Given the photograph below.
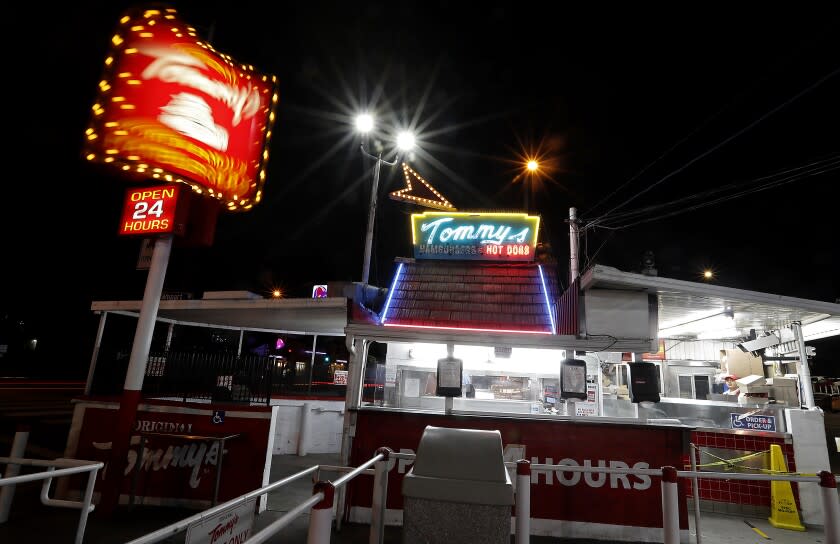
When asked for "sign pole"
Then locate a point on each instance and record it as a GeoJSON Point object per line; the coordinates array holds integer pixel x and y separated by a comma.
{"type": "Point", "coordinates": [371, 219]}
{"type": "Point", "coordinates": [135, 374]}
{"type": "Point", "coordinates": [574, 271]}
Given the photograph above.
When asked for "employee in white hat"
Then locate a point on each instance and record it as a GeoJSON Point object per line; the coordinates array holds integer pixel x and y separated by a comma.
{"type": "Point", "coordinates": [731, 385]}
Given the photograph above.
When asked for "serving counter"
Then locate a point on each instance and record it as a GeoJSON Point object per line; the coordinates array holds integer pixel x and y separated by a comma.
{"type": "Point", "coordinates": [562, 503]}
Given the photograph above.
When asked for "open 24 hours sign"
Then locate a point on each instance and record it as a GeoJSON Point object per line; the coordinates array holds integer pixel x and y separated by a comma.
{"type": "Point", "coordinates": [151, 210]}
{"type": "Point", "coordinates": [753, 422]}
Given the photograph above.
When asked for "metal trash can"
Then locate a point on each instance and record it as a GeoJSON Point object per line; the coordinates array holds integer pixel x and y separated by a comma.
{"type": "Point", "coordinates": [458, 489]}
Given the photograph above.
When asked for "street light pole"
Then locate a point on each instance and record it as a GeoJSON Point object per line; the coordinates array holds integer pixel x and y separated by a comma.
{"type": "Point", "coordinates": [372, 211]}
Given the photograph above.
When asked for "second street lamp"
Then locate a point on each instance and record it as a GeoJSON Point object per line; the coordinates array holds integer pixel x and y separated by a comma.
{"type": "Point", "coordinates": [405, 141]}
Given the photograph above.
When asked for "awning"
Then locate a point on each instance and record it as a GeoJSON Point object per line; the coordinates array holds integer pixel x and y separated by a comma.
{"type": "Point", "coordinates": [701, 310]}
{"type": "Point", "coordinates": [327, 316]}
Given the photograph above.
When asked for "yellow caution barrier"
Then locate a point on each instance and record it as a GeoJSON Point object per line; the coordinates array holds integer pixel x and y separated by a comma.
{"type": "Point", "coordinates": [783, 512]}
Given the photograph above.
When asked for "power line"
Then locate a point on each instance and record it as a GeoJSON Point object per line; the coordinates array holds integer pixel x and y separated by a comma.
{"type": "Point", "coordinates": [702, 125]}
{"type": "Point", "coordinates": [717, 146]}
{"type": "Point", "coordinates": [791, 174]}
{"type": "Point", "coordinates": [764, 187]}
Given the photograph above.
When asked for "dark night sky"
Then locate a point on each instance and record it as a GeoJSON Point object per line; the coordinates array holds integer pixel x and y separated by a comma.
{"type": "Point", "coordinates": [688, 96]}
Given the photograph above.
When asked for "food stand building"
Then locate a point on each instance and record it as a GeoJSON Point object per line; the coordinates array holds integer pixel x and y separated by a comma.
{"type": "Point", "coordinates": [514, 335]}
{"type": "Point", "coordinates": [512, 328]}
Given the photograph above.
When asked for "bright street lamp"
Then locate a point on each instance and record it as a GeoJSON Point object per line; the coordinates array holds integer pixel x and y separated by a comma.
{"type": "Point", "coordinates": [405, 141]}
{"type": "Point", "coordinates": [364, 123]}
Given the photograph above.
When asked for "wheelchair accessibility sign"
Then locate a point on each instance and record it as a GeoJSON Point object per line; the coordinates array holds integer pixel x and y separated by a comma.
{"type": "Point", "coordinates": [218, 417]}
{"type": "Point", "coordinates": [753, 422]}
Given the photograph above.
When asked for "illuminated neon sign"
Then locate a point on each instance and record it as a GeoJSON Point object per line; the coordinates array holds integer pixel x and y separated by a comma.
{"type": "Point", "coordinates": [474, 236]}
{"type": "Point", "coordinates": [150, 210]}
{"type": "Point", "coordinates": [171, 107]}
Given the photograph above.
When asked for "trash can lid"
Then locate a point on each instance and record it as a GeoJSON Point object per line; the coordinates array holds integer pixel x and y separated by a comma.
{"type": "Point", "coordinates": [460, 454]}
{"type": "Point", "coordinates": [460, 465]}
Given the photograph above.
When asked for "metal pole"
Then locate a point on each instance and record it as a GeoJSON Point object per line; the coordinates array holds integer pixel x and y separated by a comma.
{"type": "Point", "coordinates": [312, 364]}
{"type": "Point", "coordinates": [320, 518]}
{"type": "Point", "coordinates": [135, 373]}
{"type": "Point", "coordinates": [523, 501]}
{"type": "Point", "coordinates": [804, 371]}
{"type": "Point", "coordinates": [220, 456]}
{"type": "Point", "coordinates": [137, 468]}
{"type": "Point", "coordinates": [303, 434]}
{"type": "Point", "coordinates": [573, 246]}
{"type": "Point", "coordinates": [371, 220]}
{"type": "Point", "coordinates": [239, 348]}
{"type": "Point", "coordinates": [96, 345]}
{"type": "Point", "coordinates": [7, 493]}
{"type": "Point", "coordinates": [148, 314]}
{"type": "Point", "coordinates": [831, 506]}
{"type": "Point", "coordinates": [357, 350]}
{"type": "Point", "coordinates": [670, 506]}
{"type": "Point", "coordinates": [695, 491]}
{"type": "Point", "coordinates": [379, 499]}
{"type": "Point", "coordinates": [86, 506]}
{"type": "Point", "coordinates": [169, 332]}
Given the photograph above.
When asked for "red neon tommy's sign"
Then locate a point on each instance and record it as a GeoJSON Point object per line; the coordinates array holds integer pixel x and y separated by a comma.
{"type": "Point", "coordinates": [171, 107]}
{"type": "Point", "coordinates": [149, 210]}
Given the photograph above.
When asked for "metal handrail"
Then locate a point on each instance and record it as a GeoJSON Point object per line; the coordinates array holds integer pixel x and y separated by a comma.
{"type": "Point", "coordinates": [178, 526]}
{"type": "Point", "coordinates": [72, 466]}
{"type": "Point", "coordinates": [358, 470]}
{"type": "Point", "coordinates": [322, 498]}
{"type": "Point", "coordinates": [286, 519]}
{"type": "Point", "coordinates": [669, 477]}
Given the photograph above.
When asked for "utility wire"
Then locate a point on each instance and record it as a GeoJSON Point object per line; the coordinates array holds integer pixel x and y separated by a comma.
{"type": "Point", "coordinates": [771, 185]}
{"type": "Point", "coordinates": [790, 174]}
{"type": "Point", "coordinates": [699, 127]}
{"type": "Point", "coordinates": [717, 146]}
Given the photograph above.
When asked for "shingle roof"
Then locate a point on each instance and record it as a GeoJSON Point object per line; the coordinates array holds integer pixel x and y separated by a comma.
{"type": "Point", "coordinates": [472, 295]}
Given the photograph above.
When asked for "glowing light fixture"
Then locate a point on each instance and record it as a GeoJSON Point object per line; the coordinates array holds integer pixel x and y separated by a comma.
{"type": "Point", "coordinates": [519, 331]}
{"type": "Point", "coordinates": [391, 293]}
{"type": "Point", "coordinates": [405, 140]}
{"type": "Point", "coordinates": [547, 303]}
{"type": "Point", "coordinates": [364, 122]}
{"type": "Point", "coordinates": [533, 165]}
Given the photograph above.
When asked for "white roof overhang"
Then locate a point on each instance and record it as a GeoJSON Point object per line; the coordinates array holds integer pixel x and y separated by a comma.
{"type": "Point", "coordinates": [696, 310]}
{"type": "Point", "coordinates": [327, 316]}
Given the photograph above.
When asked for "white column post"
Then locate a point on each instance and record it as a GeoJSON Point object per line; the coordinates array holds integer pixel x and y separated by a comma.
{"type": "Point", "coordinates": [135, 373]}
{"type": "Point", "coordinates": [831, 506]}
{"type": "Point", "coordinates": [379, 498]}
{"type": "Point", "coordinates": [95, 355]}
{"type": "Point", "coordinates": [148, 314]}
{"type": "Point", "coordinates": [804, 371]}
{"type": "Point", "coordinates": [320, 518]}
{"type": "Point", "coordinates": [7, 493]}
{"type": "Point", "coordinates": [670, 506]}
{"type": "Point", "coordinates": [303, 434]}
{"type": "Point", "coordinates": [523, 501]}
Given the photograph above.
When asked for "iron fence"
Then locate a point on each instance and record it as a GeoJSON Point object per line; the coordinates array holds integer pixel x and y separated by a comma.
{"type": "Point", "coordinates": [220, 377]}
